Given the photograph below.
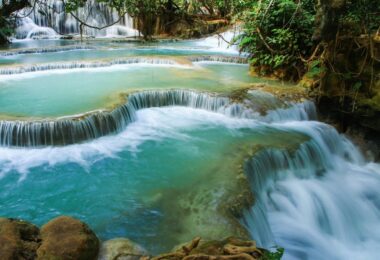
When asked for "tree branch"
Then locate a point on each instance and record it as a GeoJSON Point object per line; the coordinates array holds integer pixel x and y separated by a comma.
{"type": "Point", "coordinates": [263, 40]}
{"type": "Point", "coordinates": [93, 26]}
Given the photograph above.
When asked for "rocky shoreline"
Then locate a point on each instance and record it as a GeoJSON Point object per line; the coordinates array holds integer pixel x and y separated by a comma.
{"type": "Point", "coordinates": [68, 238]}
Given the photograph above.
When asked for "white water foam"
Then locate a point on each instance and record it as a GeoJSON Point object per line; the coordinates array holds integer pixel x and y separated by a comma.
{"type": "Point", "coordinates": [27, 29]}
{"type": "Point", "coordinates": [321, 201]}
{"type": "Point", "coordinates": [53, 14]}
{"type": "Point", "coordinates": [28, 51]}
{"type": "Point", "coordinates": [152, 124]}
{"type": "Point", "coordinates": [222, 41]}
{"type": "Point", "coordinates": [111, 68]}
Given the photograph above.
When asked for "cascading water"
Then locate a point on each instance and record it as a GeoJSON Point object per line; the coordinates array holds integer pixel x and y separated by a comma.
{"type": "Point", "coordinates": [86, 127]}
{"type": "Point", "coordinates": [83, 65]}
{"type": "Point", "coordinates": [50, 19]}
{"type": "Point", "coordinates": [45, 50]}
{"type": "Point", "coordinates": [71, 130]}
{"type": "Point", "coordinates": [223, 41]}
{"type": "Point", "coordinates": [120, 61]}
{"type": "Point", "coordinates": [27, 29]}
{"type": "Point", "coordinates": [320, 200]}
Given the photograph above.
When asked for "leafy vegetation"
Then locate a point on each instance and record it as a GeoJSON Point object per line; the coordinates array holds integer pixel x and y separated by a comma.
{"type": "Point", "coordinates": [276, 255]}
{"type": "Point", "coordinates": [7, 8]}
{"type": "Point", "coordinates": [293, 38]}
{"type": "Point", "coordinates": [277, 34]}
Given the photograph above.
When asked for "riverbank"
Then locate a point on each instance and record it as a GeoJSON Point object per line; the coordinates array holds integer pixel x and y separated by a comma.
{"type": "Point", "coordinates": [68, 238]}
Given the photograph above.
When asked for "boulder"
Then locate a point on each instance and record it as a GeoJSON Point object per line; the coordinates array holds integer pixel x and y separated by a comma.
{"type": "Point", "coordinates": [18, 239]}
{"type": "Point", "coordinates": [121, 249]}
{"type": "Point", "coordinates": [67, 238]}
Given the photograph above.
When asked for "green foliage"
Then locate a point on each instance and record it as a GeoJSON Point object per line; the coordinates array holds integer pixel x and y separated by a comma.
{"type": "Point", "coordinates": [277, 255]}
{"type": "Point", "coordinates": [7, 18]}
{"type": "Point", "coordinates": [73, 5]}
{"type": "Point", "coordinates": [316, 69]}
{"type": "Point", "coordinates": [357, 86]}
{"type": "Point", "coordinates": [277, 33]}
{"type": "Point", "coordinates": [222, 8]}
{"type": "Point", "coordinates": [365, 13]}
{"type": "Point", "coordinates": [5, 30]}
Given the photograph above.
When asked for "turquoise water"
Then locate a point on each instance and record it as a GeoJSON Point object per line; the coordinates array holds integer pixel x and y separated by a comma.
{"type": "Point", "coordinates": [68, 92]}
{"type": "Point", "coordinates": [139, 184]}
{"type": "Point", "coordinates": [176, 173]}
{"type": "Point", "coordinates": [38, 44]}
{"type": "Point", "coordinates": [55, 93]}
{"type": "Point", "coordinates": [23, 44]}
{"type": "Point", "coordinates": [123, 185]}
{"type": "Point", "coordinates": [106, 50]}
{"type": "Point", "coordinates": [101, 54]}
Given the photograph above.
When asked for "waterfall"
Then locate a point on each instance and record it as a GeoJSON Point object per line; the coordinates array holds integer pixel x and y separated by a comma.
{"type": "Point", "coordinates": [84, 65]}
{"type": "Point", "coordinates": [319, 201]}
{"type": "Point", "coordinates": [45, 50]}
{"type": "Point", "coordinates": [27, 29]}
{"type": "Point", "coordinates": [45, 20]}
{"type": "Point", "coordinates": [101, 64]}
{"type": "Point", "coordinates": [221, 42]}
{"type": "Point", "coordinates": [219, 59]}
{"type": "Point", "coordinates": [66, 131]}
{"type": "Point", "coordinates": [71, 130]}
{"type": "Point", "coordinates": [298, 112]}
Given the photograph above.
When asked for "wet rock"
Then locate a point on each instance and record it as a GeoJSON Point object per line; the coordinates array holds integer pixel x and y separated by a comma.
{"type": "Point", "coordinates": [67, 238]}
{"type": "Point", "coordinates": [121, 249]}
{"type": "Point", "coordinates": [18, 239]}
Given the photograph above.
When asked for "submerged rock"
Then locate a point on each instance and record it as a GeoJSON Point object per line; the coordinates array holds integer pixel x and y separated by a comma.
{"type": "Point", "coordinates": [67, 238]}
{"type": "Point", "coordinates": [18, 239]}
{"type": "Point", "coordinates": [121, 249]}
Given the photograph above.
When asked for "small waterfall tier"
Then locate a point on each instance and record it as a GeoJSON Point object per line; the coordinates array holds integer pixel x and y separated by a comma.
{"type": "Point", "coordinates": [50, 19]}
{"type": "Point", "coordinates": [222, 41]}
{"type": "Point", "coordinates": [221, 59]}
{"type": "Point", "coordinates": [73, 130]}
{"type": "Point", "coordinates": [319, 200]}
{"type": "Point", "coordinates": [85, 65]}
{"type": "Point", "coordinates": [76, 129]}
{"type": "Point", "coordinates": [122, 61]}
{"type": "Point", "coordinates": [45, 50]}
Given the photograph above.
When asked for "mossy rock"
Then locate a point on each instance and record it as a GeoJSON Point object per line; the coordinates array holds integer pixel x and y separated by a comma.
{"type": "Point", "coordinates": [66, 238]}
{"type": "Point", "coordinates": [18, 239]}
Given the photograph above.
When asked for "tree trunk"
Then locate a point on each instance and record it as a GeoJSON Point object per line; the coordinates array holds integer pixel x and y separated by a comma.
{"type": "Point", "coordinates": [327, 19]}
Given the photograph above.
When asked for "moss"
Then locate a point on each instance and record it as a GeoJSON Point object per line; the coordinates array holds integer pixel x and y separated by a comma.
{"type": "Point", "coordinates": [371, 103]}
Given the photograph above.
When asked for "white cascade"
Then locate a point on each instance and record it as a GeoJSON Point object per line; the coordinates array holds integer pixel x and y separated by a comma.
{"type": "Point", "coordinates": [52, 15]}
{"type": "Point", "coordinates": [318, 201]}
{"type": "Point", "coordinates": [221, 42]}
